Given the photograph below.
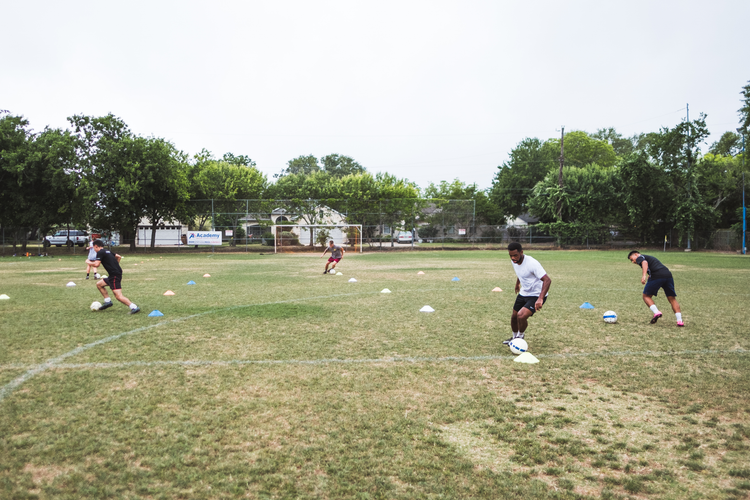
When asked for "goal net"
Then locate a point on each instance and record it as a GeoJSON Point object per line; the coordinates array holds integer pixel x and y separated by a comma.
{"type": "Point", "coordinates": [309, 237]}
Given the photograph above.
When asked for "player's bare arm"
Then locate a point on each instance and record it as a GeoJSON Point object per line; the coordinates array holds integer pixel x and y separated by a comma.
{"type": "Point", "coordinates": [324, 252]}
{"type": "Point", "coordinates": [546, 282]}
{"type": "Point", "coordinates": [118, 257]}
{"type": "Point", "coordinates": [518, 285]}
{"type": "Point", "coordinates": [644, 265]}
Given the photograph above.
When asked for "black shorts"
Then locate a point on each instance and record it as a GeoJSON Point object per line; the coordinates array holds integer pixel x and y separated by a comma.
{"type": "Point", "coordinates": [527, 302]}
{"type": "Point", "coordinates": [114, 281]}
{"type": "Point", "coordinates": [653, 285]}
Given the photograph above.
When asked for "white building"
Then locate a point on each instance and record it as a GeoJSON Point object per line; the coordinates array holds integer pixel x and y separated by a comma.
{"type": "Point", "coordinates": [168, 233]}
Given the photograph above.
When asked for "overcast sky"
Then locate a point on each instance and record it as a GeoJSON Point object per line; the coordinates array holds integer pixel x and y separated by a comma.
{"type": "Point", "coordinates": [427, 90]}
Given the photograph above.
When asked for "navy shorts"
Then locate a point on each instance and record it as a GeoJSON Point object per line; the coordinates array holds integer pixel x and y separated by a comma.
{"type": "Point", "coordinates": [527, 302]}
{"type": "Point", "coordinates": [114, 282]}
{"type": "Point", "coordinates": [652, 287]}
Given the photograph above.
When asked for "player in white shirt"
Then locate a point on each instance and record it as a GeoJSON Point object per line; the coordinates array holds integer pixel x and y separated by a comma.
{"type": "Point", "coordinates": [532, 285]}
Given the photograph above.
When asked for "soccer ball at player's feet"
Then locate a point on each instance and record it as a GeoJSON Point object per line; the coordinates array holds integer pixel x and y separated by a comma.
{"type": "Point", "coordinates": [332, 271]}
{"type": "Point", "coordinates": [518, 346]}
{"type": "Point", "coordinates": [610, 317]}
{"type": "Point", "coordinates": [95, 306]}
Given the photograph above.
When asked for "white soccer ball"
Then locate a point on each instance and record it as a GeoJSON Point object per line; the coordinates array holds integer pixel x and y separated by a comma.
{"type": "Point", "coordinates": [95, 306]}
{"type": "Point", "coordinates": [610, 317]}
{"type": "Point", "coordinates": [518, 346]}
{"type": "Point", "coordinates": [332, 271]}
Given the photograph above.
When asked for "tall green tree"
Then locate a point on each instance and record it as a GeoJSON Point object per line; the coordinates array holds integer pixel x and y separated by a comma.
{"type": "Point", "coordinates": [730, 144]}
{"type": "Point", "coordinates": [399, 201]}
{"type": "Point", "coordinates": [302, 165]}
{"type": "Point", "coordinates": [305, 197]}
{"type": "Point", "coordinates": [357, 196]}
{"type": "Point", "coordinates": [582, 149]}
{"type": "Point", "coordinates": [511, 187]}
{"type": "Point", "coordinates": [161, 178]}
{"type": "Point", "coordinates": [591, 195]}
{"type": "Point", "coordinates": [15, 145]}
{"type": "Point", "coordinates": [460, 203]}
{"type": "Point", "coordinates": [744, 111]}
{"type": "Point", "coordinates": [60, 194]}
{"type": "Point", "coordinates": [241, 160]}
{"type": "Point", "coordinates": [648, 196]}
{"type": "Point", "coordinates": [339, 166]}
{"type": "Point", "coordinates": [677, 151]}
{"type": "Point", "coordinates": [719, 180]}
{"type": "Point", "coordinates": [623, 146]}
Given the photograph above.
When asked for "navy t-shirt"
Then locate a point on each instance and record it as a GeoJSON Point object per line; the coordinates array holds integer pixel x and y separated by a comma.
{"type": "Point", "coordinates": [656, 270]}
{"type": "Point", "coordinates": [109, 261]}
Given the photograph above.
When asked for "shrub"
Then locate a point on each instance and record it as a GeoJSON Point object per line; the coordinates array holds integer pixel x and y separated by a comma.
{"type": "Point", "coordinates": [289, 238]}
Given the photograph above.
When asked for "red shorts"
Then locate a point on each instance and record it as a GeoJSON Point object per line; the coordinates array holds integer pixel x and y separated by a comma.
{"type": "Point", "coordinates": [331, 259]}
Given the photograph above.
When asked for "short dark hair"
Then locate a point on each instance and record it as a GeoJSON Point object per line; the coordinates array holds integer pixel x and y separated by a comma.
{"type": "Point", "coordinates": [632, 252]}
{"type": "Point", "coordinates": [98, 243]}
{"type": "Point", "coordinates": [331, 242]}
{"type": "Point", "coordinates": [514, 245]}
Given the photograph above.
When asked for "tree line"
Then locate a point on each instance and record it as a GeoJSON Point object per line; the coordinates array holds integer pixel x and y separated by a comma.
{"type": "Point", "coordinates": [99, 173]}
{"type": "Point", "coordinates": [644, 185]}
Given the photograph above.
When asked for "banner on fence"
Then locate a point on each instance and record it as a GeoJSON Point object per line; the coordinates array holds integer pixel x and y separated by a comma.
{"type": "Point", "coordinates": [204, 238]}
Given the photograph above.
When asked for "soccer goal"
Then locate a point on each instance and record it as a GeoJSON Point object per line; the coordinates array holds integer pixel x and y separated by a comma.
{"type": "Point", "coordinates": [298, 237]}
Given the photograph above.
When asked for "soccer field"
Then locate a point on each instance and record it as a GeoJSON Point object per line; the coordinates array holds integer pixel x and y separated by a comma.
{"type": "Point", "coordinates": [272, 380]}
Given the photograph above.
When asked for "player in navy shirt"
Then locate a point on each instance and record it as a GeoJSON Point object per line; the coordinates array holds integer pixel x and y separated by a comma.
{"type": "Point", "coordinates": [659, 276]}
{"type": "Point", "coordinates": [111, 262]}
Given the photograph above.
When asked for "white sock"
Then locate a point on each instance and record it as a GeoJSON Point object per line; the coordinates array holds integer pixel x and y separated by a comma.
{"type": "Point", "coordinates": [654, 309]}
{"type": "Point", "coordinates": [678, 316]}
{"type": "Point", "coordinates": [107, 300]}
{"type": "Point", "coordinates": [133, 306]}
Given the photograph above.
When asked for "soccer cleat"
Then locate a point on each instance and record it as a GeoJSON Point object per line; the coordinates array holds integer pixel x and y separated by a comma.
{"type": "Point", "coordinates": [515, 336]}
{"type": "Point", "coordinates": [87, 276]}
{"type": "Point", "coordinates": [105, 305]}
{"type": "Point", "coordinates": [655, 318]}
{"type": "Point", "coordinates": [680, 323]}
{"type": "Point", "coordinates": [136, 310]}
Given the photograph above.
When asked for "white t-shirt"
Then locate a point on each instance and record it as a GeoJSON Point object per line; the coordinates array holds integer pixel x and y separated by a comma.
{"type": "Point", "coordinates": [530, 273]}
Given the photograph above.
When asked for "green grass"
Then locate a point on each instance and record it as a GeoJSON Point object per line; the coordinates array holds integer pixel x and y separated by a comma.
{"type": "Point", "coordinates": [271, 380]}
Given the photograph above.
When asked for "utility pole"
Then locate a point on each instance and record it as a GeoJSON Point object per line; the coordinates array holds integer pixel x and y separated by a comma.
{"type": "Point", "coordinates": [744, 207]}
{"type": "Point", "coordinates": [687, 111]}
{"type": "Point", "coordinates": [560, 175]}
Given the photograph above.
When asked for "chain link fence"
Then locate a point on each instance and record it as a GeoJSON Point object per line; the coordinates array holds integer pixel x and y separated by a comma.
{"type": "Point", "coordinates": [245, 225]}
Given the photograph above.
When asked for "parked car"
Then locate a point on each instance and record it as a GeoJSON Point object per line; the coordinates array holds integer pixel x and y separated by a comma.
{"type": "Point", "coordinates": [405, 238]}
{"type": "Point", "coordinates": [68, 238]}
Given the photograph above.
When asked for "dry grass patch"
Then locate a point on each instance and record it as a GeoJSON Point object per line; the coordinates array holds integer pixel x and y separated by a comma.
{"type": "Point", "coordinates": [593, 438]}
{"type": "Point", "coordinates": [45, 474]}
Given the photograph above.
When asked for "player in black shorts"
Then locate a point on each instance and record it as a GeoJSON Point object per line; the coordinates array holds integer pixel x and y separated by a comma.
{"type": "Point", "coordinates": [111, 262]}
{"type": "Point", "coordinates": [659, 276]}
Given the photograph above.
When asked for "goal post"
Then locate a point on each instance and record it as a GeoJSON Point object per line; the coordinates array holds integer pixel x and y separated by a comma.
{"type": "Point", "coordinates": [291, 237]}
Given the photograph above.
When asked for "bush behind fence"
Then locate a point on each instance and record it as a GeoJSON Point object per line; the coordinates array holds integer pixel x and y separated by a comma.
{"type": "Point", "coordinates": [435, 224]}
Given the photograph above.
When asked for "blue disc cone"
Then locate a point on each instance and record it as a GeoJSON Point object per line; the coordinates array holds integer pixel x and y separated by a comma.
{"type": "Point", "coordinates": [586, 305]}
{"type": "Point", "coordinates": [155, 313]}
{"type": "Point", "coordinates": [455, 279]}
{"type": "Point", "coordinates": [191, 282]}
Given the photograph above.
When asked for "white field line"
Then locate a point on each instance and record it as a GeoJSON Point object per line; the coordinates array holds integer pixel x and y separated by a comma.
{"type": "Point", "coordinates": [57, 362]}
{"type": "Point", "coordinates": [14, 384]}
{"type": "Point", "coordinates": [406, 359]}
